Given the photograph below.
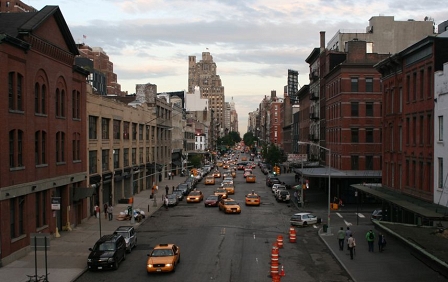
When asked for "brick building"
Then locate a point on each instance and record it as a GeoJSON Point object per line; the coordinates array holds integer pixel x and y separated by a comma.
{"type": "Point", "coordinates": [43, 133]}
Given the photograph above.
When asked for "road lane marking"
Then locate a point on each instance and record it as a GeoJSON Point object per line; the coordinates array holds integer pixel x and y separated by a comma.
{"type": "Point", "coordinates": [361, 215]}
{"type": "Point", "coordinates": [339, 215]}
{"type": "Point", "coordinates": [347, 223]}
{"type": "Point", "coordinates": [254, 236]}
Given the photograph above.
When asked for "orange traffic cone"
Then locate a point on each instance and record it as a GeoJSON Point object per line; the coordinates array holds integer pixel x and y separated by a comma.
{"type": "Point", "coordinates": [282, 272]}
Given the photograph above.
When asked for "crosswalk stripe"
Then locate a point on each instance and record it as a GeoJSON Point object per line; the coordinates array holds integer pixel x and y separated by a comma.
{"type": "Point", "coordinates": [361, 215]}
{"type": "Point", "coordinates": [339, 215]}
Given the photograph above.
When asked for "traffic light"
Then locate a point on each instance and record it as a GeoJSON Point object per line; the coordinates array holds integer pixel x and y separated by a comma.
{"type": "Point", "coordinates": [276, 170]}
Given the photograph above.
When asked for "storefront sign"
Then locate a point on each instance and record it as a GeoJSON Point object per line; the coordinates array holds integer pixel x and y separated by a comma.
{"type": "Point", "coordinates": [56, 203]}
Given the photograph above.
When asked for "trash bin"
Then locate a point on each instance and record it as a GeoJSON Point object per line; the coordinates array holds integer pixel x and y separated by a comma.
{"type": "Point", "coordinates": [325, 228]}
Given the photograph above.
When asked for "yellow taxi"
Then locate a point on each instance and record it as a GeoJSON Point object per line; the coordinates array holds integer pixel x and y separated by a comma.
{"type": "Point", "coordinates": [230, 188]}
{"type": "Point", "coordinates": [163, 258]}
{"type": "Point", "coordinates": [195, 196]}
{"type": "Point", "coordinates": [243, 159]}
{"type": "Point", "coordinates": [225, 166]}
{"type": "Point", "coordinates": [253, 199]}
{"type": "Point", "coordinates": [216, 174]}
{"type": "Point", "coordinates": [221, 192]}
{"type": "Point", "coordinates": [210, 180]}
{"type": "Point", "coordinates": [219, 163]}
{"type": "Point", "coordinates": [250, 178]}
{"type": "Point", "coordinates": [247, 172]}
{"type": "Point", "coordinates": [233, 173]}
{"type": "Point", "coordinates": [229, 206]}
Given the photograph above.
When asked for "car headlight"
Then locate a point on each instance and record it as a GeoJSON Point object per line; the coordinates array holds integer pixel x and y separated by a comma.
{"type": "Point", "coordinates": [149, 265]}
{"type": "Point", "coordinates": [168, 264]}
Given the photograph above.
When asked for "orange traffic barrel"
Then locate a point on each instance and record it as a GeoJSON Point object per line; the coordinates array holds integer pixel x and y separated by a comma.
{"type": "Point", "coordinates": [276, 278]}
{"type": "Point", "coordinates": [274, 270]}
{"type": "Point", "coordinates": [292, 237]}
{"type": "Point", "coordinates": [280, 241]}
{"type": "Point", "coordinates": [274, 255]}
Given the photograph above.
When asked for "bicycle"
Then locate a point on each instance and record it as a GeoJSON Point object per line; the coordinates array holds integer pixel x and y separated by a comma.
{"type": "Point", "coordinates": [38, 278]}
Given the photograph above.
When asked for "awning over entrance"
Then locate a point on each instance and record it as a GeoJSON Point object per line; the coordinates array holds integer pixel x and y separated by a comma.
{"type": "Point", "coordinates": [425, 209]}
{"type": "Point", "coordinates": [336, 173]}
{"type": "Point", "coordinates": [80, 193]}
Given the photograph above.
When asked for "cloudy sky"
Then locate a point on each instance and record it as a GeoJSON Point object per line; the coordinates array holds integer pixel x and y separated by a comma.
{"type": "Point", "coordinates": [253, 42]}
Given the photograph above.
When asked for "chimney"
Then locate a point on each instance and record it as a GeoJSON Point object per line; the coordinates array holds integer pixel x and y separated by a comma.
{"type": "Point", "coordinates": [322, 41]}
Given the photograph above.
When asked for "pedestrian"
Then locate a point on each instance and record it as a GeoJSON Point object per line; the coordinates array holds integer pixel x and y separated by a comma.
{"type": "Point", "coordinates": [110, 211]}
{"type": "Point", "coordinates": [105, 210]}
{"type": "Point", "coordinates": [381, 242]}
{"type": "Point", "coordinates": [348, 232]}
{"type": "Point", "coordinates": [172, 190]}
{"type": "Point", "coordinates": [351, 245]}
{"type": "Point", "coordinates": [166, 203]}
{"type": "Point", "coordinates": [167, 189]}
{"type": "Point", "coordinates": [341, 238]}
{"type": "Point", "coordinates": [97, 211]}
{"type": "Point", "coordinates": [169, 175]}
{"type": "Point", "coordinates": [370, 237]}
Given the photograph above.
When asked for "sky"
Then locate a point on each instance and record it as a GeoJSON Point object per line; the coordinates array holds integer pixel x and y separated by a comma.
{"type": "Point", "coordinates": [253, 42]}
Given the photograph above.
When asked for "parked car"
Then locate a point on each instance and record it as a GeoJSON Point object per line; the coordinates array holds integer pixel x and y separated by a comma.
{"type": "Point", "coordinates": [271, 181]}
{"type": "Point", "coordinates": [184, 187]}
{"type": "Point", "coordinates": [283, 196]}
{"type": "Point", "coordinates": [107, 252]}
{"type": "Point", "coordinates": [129, 235]}
{"type": "Point", "coordinates": [163, 258]}
{"type": "Point", "coordinates": [172, 200]}
{"type": "Point", "coordinates": [304, 219]}
{"type": "Point", "coordinates": [179, 194]}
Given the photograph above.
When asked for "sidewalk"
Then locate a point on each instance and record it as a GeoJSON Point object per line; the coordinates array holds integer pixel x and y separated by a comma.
{"type": "Point", "coordinates": [67, 256]}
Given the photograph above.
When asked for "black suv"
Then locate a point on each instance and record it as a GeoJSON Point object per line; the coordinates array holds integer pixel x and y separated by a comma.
{"type": "Point", "coordinates": [108, 252]}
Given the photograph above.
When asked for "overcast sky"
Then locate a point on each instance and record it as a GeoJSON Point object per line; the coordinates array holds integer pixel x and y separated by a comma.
{"type": "Point", "coordinates": [253, 42]}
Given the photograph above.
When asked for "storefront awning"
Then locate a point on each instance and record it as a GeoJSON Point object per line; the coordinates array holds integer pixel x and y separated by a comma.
{"type": "Point", "coordinates": [80, 193]}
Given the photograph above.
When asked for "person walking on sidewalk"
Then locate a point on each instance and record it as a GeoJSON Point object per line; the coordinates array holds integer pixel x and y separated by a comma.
{"type": "Point", "coordinates": [370, 237]}
{"type": "Point", "coordinates": [348, 232]}
{"type": "Point", "coordinates": [97, 211]}
{"type": "Point", "coordinates": [341, 238]}
{"type": "Point", "coordinates": [167, 189]}
{"type": "Point", "coordinates": [110, 211]}
{"type": "Point", "coordinates": [351, 245]}
{"type": "Point", "coordinates": [165, 201]}
{"type": "Point", "coordinates": [105, 210]}
{"type": "Point", "coordinates": [172, 190]}
{"type": "Point", "coordinates": [169, 175]}
{"type": "Point", "coordinates": [381, 242]}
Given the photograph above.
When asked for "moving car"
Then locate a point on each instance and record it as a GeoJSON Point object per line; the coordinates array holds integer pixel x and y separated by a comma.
{"type": "Point", "coordinates": [129, 235]}
{"type": "Point", "coordinates": [221, 192]}
{"type": "Point", "coordinates": [107, 252]}
{"type": "Point", "coordinates": [163, 258]}
{"type": "Point", "coordinates": [195, 196]}
{"type": "Point", "coordinates": [230, 188]}
{"type": "Point", "coordinates": [212, 201]}
{"type": "Point", "coordinates": [377, 215]}
{"type": "Point", "coordinates": [229, 206]}
{"type": "Point", "coordinates": [210, 180]}
{"type": "Point", "coordinates": [216, 174]}
{"type": "Point", "coordinates": [247, 172]}
{"type": "Point", "coordinates": [253, 199]}
{"type": "Point", "coordinates": [304, 219]}
{"type": "Point", "coordinates": [250, 178]}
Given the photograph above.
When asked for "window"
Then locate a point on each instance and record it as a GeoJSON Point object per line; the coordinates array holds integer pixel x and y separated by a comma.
{"type": "Point", "coordinates": [147, 155]}
{"type": "Point", "coordinates": [116, 158]}
{"type": "Point", "coordinates": [354, 162]}
{"type": "Point", "coordinates": [354, 84]}
{"type": "Point", "coordinates": [60, 147]}
{"type": "Point", "coordinates": [134, 156]}
{"type": "Point", "coordinates": [105, 128]}
{"type": "Point", "coordinates": [134, 131]}
{"type": "Point", "coordinates": [408, 129]}
{"type": "Point", "coordinates": [17, 212]}
{"type": "Point", "coordinates": [369, 84]}
{"type": "Point", "coordinates": [93, 168]}
{"type": "Point", "coordinates": [369, 162]}
{"type": "Point", "coordinates": [41, 212]}
{"type": "Point", "coordinates": [40, 138]}
{"type": "Point", "coordinates": [126, 130]}
{"type": "Point", "coordinates": [60, 102]}
{"type": "Point", "coordinates": [400, 96]}
{"type": "Point", "coordinates": [440, 173]}
{"type": "Point", "coordinates": [140, 132]}
{"type": "Point", "coordinates": [140, 154]}
{"type": "Point", "coordinates": [421, 83]}
{"type": "Point", "coordinates": [369, 135]}
{"type": "Point", "coordinates": [355, 135]}
{"type": "Point", "coordinates": [369, 109]}
{"type": "Point", "coordinates": [421, 125]}
{"type": "Point", "coordinates": [39, 99]}
{"type": "Point", "coordinates": [440, 128]}
{"type": "Point", "coordinates": [76, 146]}
{"type": "Point", "coordinates": [15, 148]}
{"type": "Point", "coordinates": [355, 109]}
{"type": "Point", "coordinates": [93, 127]}
{"type": "Point", "coordinates": [414, 86]}
{"type": "Point", "coordinates": [147, 132]}
{"type": "Point", "coordinates": [76, 104]}
{"type": "Point", "coordinates": [117, 133]}
{"type": "Point", "coordinates": [408, 88]}
{"type": "Point", "coordinates": [105, 159]}
{"type": "Point", "coordinates": [126, 157]}
{"type": "Point", "coordinates": [15, 85]}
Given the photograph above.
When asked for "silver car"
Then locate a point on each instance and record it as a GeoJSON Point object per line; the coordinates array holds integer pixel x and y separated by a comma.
{"type": "Point", "coordinates": [304, 219]}
{"type": "Point", "coordinates": [129, 235]}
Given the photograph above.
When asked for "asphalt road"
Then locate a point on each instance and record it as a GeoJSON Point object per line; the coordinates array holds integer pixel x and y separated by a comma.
{"type": "Point", "coordinates": [228, 247]}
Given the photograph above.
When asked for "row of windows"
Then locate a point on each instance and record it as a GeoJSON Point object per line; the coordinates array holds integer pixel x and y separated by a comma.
{"type": "Point", "coordinates": [335, 135]}
{"type": "Point", "coordinates": [16, 146]}
{"type": "Point", "coordinates": [15, 98]}
{"type": "Point", "coordinates": [335, 87]}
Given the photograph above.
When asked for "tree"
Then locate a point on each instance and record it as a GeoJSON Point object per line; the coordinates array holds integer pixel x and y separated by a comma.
{"type": "Point", "coordinates": [273, 155]}
{"type": "Point", "coordinates": [249, 139]}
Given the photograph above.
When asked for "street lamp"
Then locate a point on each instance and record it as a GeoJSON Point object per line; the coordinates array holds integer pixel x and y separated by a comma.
{"type": "Point", "coordinates": [329, 178]}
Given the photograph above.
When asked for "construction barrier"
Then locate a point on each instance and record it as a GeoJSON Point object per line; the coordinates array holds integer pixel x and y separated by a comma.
{"type": "Point", "coordinates": [280, 241]}
{"type": "Point", "coordinates": [276, 278]}
{"type": "Point", "coordinates": [292, 235]}
{"type": "Point", "coordinates": [274, 270]}
{"type": "Point", "coordinates": [274, 254]}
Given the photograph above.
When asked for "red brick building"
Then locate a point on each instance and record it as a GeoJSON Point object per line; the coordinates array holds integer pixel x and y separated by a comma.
{"type": "Point", "coordinates": [353, 108]}
{"type": "Point", "coordinates": [42, 140]}
{"type": "Point", "coordinates": [408, 117]}
{"type": "Point", "coordinates": [276, 120]}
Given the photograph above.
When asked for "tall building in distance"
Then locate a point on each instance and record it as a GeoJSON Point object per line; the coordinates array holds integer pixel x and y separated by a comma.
{"type": "Point", "coordinates": [203, 74]}
{"type": "Point", "coordinates": [233, 117]}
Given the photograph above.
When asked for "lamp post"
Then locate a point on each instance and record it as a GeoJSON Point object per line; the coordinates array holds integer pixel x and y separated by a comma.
{"type": "Point", "coordinates": [329, 179]}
